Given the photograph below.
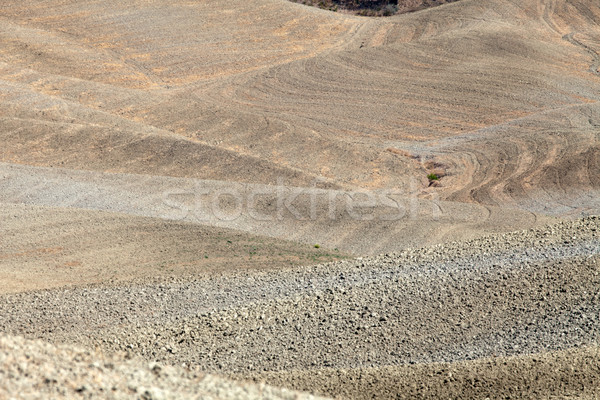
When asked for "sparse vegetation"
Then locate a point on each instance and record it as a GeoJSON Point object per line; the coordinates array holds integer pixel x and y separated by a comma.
{"type": "Point", "coordinates": [433, 177]}
{"type": "Point", "coordinates": [374, 8]}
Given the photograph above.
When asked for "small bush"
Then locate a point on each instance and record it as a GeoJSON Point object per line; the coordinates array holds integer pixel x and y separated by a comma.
{"type": "Point", "coordinates": [317, 246]}
{"type": "Point", "coordinates": [433, 177]}
{"type": "Point", "coordinates": [390, 9]}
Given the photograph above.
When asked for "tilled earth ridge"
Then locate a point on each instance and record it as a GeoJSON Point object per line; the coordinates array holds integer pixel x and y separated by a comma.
{"type": "Point", "coordinates": [570, 374]}
{"type": "Point", "coordinates": [38, 370]}
{"type": "Point", "coordinates": [521, 293]}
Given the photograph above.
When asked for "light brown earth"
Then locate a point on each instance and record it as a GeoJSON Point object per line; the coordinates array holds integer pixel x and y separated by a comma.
{"type": "Point", "coordinates": [529, 376]}
{"type": "Point", "coordinates": [117, 117]}
{"type": "Point", "coordinates": [44, 248]}
{"type": "Point", "coordinates": [34, 369]}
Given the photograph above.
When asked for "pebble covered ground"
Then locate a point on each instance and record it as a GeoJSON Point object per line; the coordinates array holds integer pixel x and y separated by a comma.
{"type": "Point", "coordinates": [503, 295]}
{"type": "Point", "coordinates": [39, 370]}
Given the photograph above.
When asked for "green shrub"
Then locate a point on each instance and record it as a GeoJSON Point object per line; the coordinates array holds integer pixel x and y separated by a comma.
{"type": "Point", "coordinates": [390, 9]}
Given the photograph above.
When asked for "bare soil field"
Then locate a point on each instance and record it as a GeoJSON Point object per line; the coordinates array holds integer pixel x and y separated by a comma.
{"type": "Point", "coordinates": [45, 248]}
{"type": "Point", "coordinates": [504, 315]}
{"type": "Point", "coordinates": [190, 183]}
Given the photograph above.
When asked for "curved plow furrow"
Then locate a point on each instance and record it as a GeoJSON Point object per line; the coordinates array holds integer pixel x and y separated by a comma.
{"type": "Point", "coordinates": [538, 163]}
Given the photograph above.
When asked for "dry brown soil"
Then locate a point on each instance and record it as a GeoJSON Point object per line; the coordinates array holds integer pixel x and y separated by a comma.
{"type": "Point", "coordinates": [116, 116]}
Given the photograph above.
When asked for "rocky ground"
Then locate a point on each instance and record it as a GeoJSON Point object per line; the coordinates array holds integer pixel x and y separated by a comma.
{"type": "Point", "coordinates": [524, 293]}
{"type": "Point", "coordinates": [38, 370]}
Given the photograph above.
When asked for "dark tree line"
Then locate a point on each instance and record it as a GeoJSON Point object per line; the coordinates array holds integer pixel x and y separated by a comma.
{"type": "Point", "coordinates": [374, 7]}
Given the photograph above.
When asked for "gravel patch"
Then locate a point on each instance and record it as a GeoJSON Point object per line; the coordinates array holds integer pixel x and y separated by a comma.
{"type": "Point", "coordinates": [514, 294]}
{"type": "Point", "coordinates": [38, 370]}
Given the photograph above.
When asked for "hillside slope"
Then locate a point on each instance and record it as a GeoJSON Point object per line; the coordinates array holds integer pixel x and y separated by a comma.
{"type": "Point", "coordinates": [273, 89]}
{"type": "Point", "coordinates": [271, 92]}
{"type": "Point", "coordinates": [169, 169]}
{"type": "Point", "coordinates": [524, 303]}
